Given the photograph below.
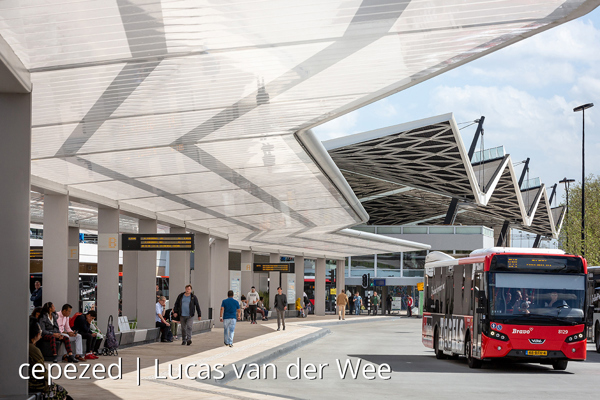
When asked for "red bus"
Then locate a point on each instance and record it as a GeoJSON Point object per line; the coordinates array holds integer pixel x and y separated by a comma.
{"type": "Point", "coordinates": [522, 304]}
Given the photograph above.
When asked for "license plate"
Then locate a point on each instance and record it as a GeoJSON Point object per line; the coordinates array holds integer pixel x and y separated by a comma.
{"type": "Point", "coordinates": [536, 353]}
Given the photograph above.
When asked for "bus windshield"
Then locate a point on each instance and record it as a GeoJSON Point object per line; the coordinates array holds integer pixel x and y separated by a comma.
{"type": "Point", "coordinates": [523, 296]}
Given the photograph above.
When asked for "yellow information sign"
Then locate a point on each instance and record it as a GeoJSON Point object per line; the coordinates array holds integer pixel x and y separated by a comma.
{"type": "Point", "coordinates": [420, 286]}
{"type": "Point", "coordinates": [332, 291]}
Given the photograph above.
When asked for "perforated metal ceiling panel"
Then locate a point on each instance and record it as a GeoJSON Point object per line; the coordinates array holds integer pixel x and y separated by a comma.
{"type": "Point", "coordinates": [409, 174]}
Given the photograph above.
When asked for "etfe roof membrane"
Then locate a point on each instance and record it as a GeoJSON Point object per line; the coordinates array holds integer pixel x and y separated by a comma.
{"type": "Point", "coordinates": [196, 113]}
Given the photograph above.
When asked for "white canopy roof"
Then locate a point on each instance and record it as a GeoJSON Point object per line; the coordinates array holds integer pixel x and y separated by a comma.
{"type": "Point", "coordinates": [195, 112]}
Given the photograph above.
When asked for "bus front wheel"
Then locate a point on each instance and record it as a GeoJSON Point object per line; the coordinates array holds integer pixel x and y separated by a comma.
{"type": "Point", "coordinates": [560, 365]}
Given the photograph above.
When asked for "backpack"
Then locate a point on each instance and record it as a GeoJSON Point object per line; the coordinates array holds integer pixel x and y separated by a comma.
{"type": "Point", "coordinates": [110, 343]}
{"type": "Point", "coordinates": [72, 319]}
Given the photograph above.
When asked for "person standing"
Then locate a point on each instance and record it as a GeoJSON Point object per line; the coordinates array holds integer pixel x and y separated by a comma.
{"type": "Point", "coordinates": [281, 307]}
{"type": "Point", "coordinates": [376, 301]}
{"type": "Point", "coordinates": [342, 301]}
{"type": "Point", "coordinates": [388, 304]}
{"type": "Point", "coordinates": [253, 299]}
{"type": "Point", "coordinates": [409, 305]}
{"type": "Point", "coordinates": [36, 296]}
{"type": "Point", "coordinates": [184, 308]}
{"type": "Point", "coordinates": [357, 303]}
{"type": "Point", "coordinates": [229, 310]}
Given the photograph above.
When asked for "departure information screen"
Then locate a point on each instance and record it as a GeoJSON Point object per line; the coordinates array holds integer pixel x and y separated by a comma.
{"type": "Point", "coordinates": [36, 252]}
{"type": "Point", "coordinates": [157, 242]}
{"type": "Point", "coordinates": [274, 267]}
{"type": "Point", "coordinates": [525, 262]}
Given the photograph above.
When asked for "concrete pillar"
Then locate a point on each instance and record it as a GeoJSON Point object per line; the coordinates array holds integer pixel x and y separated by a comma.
{"type": "Point", "coordinates": [201, 274]}
{"type": "Point", "coordinates": [129, 282]}
{"type": "Point", "coordinates": [219, 277]}
{"type": "Point", "coordinates": [178, 270]}
{"type": "Point", "coordinates": [340, 277]}
{"type": "Point", "coordinates": [107, 293]}
{"type": "Point", "coordinates": [299, 265]}
{"type": "Point", "coordinates": [247, 272]}
{"type": "Point", "coordinates": [73, 268]}
{"type": "Point", "coordinates": [15, 171]}
{"type": "Point", "coordinates": [56, 244]}
{"type": "Point", "coordinates": [320, 267]}
{"type": "Point", "coordinates": [146, 280]}
{"type": "Point", "coordinates": [273, 280]}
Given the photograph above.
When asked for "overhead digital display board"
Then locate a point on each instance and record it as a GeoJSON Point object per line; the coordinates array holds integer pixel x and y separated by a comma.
{"type": "Point", "coordinates": [36, 252]}
{"type": "Point", "coordinates": [141, 242]}
{"type": "Point", "coordinates": [274, 267]}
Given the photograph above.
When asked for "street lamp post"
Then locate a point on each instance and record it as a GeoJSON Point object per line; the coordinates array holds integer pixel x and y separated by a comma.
{"type": "Point", "coordinates": [582, 108]}
{"type": "Point", "coordinates": [567, 182]}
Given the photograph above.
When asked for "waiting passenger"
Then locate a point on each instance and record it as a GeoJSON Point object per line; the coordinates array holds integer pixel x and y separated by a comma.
{"type": "Point", "coordinates": [35, 315]}
{"type": "Point", "coordinates": [83, 326]}
{"type": "Point", "coordinates": [262, 310]}
{"type": "Point", "coordinates": [65, 330]}
{"type": "Point", "coordinates": [50, 391]}
{"type": "Point", "coordinates": [51, 332]}
{"type": "Point", "coordinates": [36, 295]}
{"type": "Point", "coordinates": [159, 317]}
{"type": "Point", "coordinates": [243, 312]}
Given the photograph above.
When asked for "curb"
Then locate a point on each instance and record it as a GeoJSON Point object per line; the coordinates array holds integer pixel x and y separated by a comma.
{"type": "Point", "coordinates": [269, 355]}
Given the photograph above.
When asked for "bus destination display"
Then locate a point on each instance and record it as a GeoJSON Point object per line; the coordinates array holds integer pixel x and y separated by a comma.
{"type": "Point", "coordinates": [274, 267]}
{"type": "Point", "coordinates": [157, 242]}
{"type": "Point", "coordinates": [505, 262]}
{"type": "Point", "coordinates": [36, 252]}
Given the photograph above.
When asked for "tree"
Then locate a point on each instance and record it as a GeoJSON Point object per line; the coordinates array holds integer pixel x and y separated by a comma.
{"type": "Point", "coordinates": [570, 234]}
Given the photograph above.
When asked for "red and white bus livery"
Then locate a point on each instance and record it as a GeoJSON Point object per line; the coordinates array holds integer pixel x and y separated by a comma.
{"type": "Point", "coordinates": [522, 304]}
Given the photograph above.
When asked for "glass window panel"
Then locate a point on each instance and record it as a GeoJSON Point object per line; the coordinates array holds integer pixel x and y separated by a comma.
{"type": "Point", "coordinates": [415, 229]}
{"type": "Point", "coordinates": [363, 265]}
{"type": "Point", "coordinates": [468, 229]}
{"type": "Point", "coordinates": [414, 263]}
{"type": "Point", "coordinates": [389, 229]}
{"type": "Point", "coordinates": [441, 229]}
{"type": "Point", "coordinates": [388, 265]}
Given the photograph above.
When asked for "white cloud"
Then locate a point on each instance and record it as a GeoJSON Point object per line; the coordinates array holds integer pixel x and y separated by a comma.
{"type": "Point", "coordinates": [342, 126]}
{"type": "Point", "coordinates": [543, 128]}
{"type": "Point", "coordinates": [553, 57]}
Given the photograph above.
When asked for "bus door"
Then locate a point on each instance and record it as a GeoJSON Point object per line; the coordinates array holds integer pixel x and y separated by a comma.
{"type": "Point", "coordinates": [477, 316]}
{"type": "Point", "coordinates": [448, 309]}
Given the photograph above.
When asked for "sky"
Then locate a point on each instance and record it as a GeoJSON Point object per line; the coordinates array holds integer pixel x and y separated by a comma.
{"type": "Point", "coordinates": [526, 91]}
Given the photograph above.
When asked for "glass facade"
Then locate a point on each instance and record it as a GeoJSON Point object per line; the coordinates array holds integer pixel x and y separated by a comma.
{"type": "Point", "coordinates": [389, 265]}
{"type": "Point", "coordinates": [413, 263]}
{"type": "Point", "coordinates": [363, 265]}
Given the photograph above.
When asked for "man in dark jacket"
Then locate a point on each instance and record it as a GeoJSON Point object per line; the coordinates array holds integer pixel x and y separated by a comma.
{"type": "Point", "coordinates": [82, 326]}
{"type": "Point", "coordinates": [36, 296]}
{"type": "Point", "coordinates": [281, 306]}
{"type": "Point", "coordinates": [184, 308]}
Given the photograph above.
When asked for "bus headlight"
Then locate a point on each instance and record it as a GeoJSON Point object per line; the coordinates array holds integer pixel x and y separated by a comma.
{"type": "Point", "coordinates": [577, 337]}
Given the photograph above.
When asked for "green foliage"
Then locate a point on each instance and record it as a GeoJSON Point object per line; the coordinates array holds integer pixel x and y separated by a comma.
{"type": "Point", "coordinates": [265, 296]}
{"type": "Point", "coordinates": [570, 234]}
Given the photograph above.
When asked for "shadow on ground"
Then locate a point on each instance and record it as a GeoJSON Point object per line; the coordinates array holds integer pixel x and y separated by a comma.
{"type": "Point", "coordinates": [428, 363]}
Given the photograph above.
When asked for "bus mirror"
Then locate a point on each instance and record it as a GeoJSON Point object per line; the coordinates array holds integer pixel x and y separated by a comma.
{"type": "Point", "coordinates": [589, 320]}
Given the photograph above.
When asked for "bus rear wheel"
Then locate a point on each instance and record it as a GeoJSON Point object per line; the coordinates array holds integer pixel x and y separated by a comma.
{"type": "Point", "coordinates": [472, 361]}
{"type": "Point", "coordinates": [560, 365]}
{"type": "Point", "coordinates": [439, 354]}
{"type": "Point", "coordinates": [597, 337]}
